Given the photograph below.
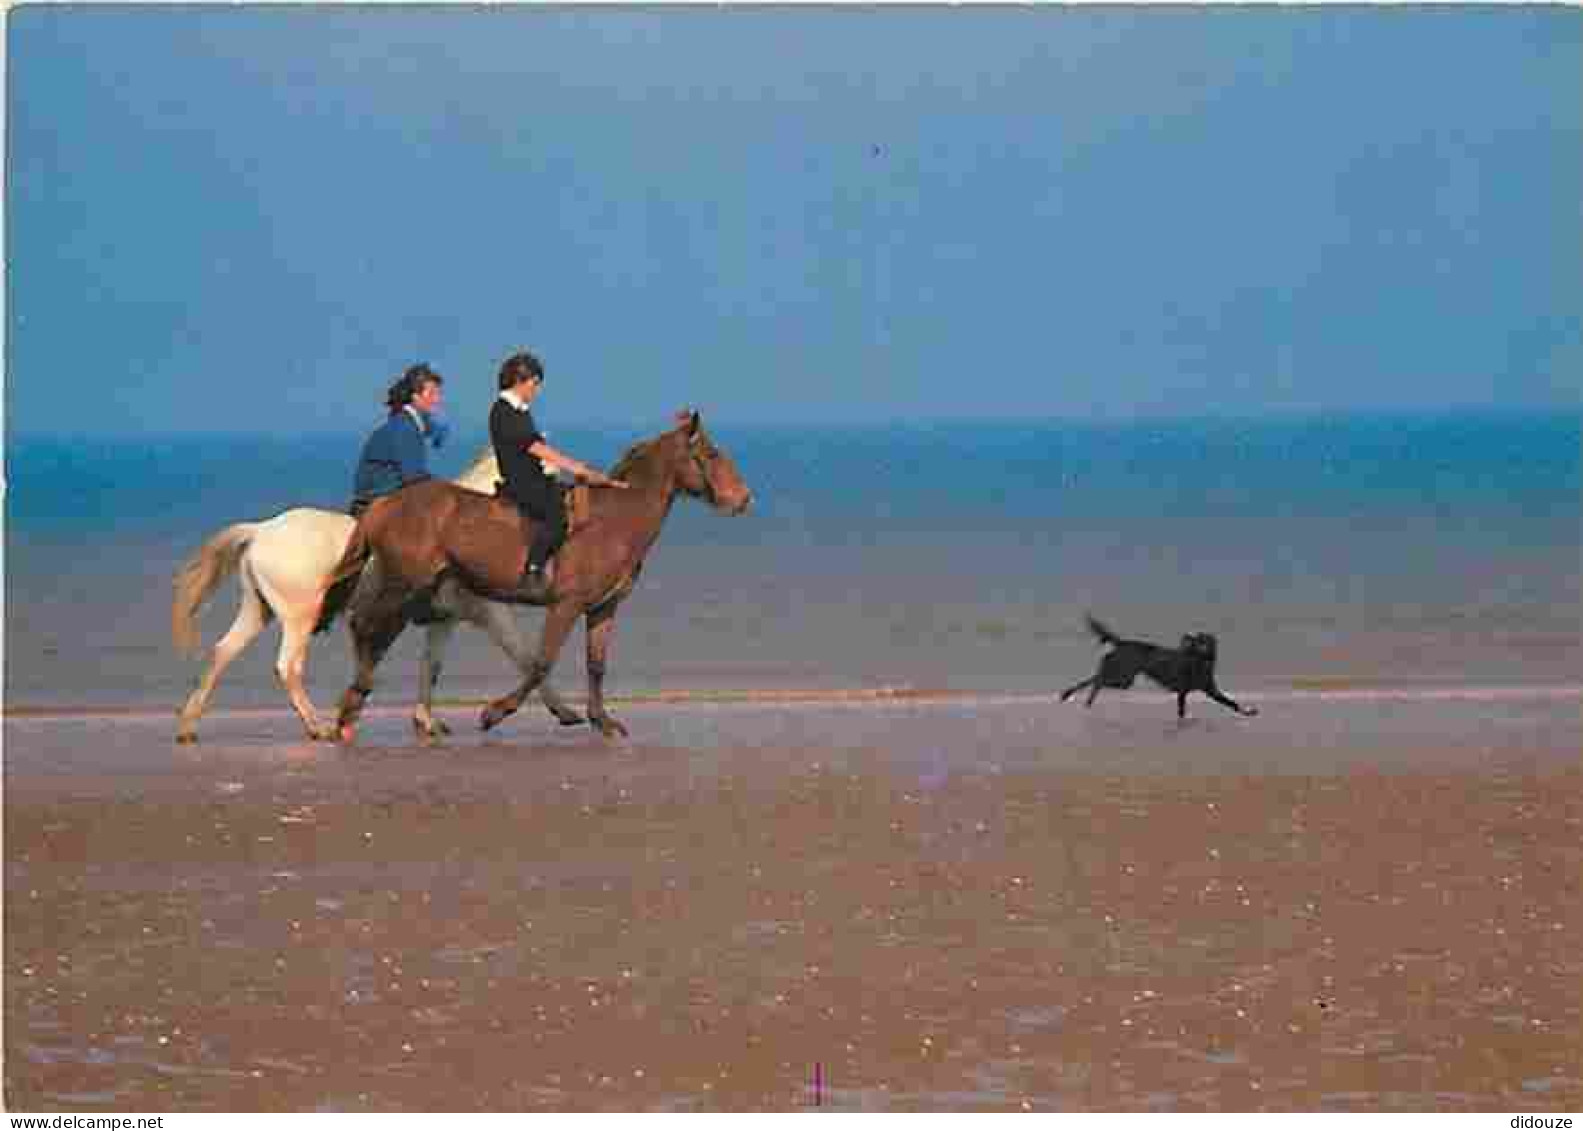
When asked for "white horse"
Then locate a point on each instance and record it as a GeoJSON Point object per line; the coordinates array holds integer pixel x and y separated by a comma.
{"type": "Point", "coordinates": [282, 564]}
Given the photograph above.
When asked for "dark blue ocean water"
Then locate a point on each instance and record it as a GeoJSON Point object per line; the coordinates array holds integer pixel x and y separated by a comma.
{"type": "Point", "coordinates": [1436, 548]}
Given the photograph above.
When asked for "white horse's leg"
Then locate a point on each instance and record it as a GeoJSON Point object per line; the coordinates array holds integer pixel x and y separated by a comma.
{"type": "Point", "coordinates": [251, 618]}
{"type": "Point", "coordinates": [559, 621]}
{"type": "Point", "coordinates": [298, 609]}
{"type": "Point", "coordinates": [429, 668]}
{"type": "Point", "coordinates": [290, 666]}
{"type": "Point", "coordinates": [557, 706]}
{"type": "Point", "coordinates": [500, 626]}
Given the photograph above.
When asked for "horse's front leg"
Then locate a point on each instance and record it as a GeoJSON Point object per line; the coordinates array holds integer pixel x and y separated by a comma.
{"type": "Point", "coordinates": [429, 668]}
{"type": "Point", "coordinates": [601, 627]}
{"type": "Point", "coordinates": [558, 623]}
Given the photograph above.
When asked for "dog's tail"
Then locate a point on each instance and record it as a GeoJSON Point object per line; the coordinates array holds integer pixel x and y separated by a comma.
{"type": "Point", "coordinates": [1101, 631]}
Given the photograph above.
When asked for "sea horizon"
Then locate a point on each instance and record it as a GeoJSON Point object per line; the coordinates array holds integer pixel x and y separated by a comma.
{"type": "Point", "coordinates": [639, 427]}
{"type": "Point", "coordinates": [1367, 549]}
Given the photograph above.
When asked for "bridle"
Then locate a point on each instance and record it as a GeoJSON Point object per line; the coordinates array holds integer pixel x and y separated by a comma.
{"type": "Point", "coordinates": [693, 446]}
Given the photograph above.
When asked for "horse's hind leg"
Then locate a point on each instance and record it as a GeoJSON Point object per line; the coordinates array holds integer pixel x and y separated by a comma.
{"type": "Point", "coordinates": [251, 619]}
{"type": "Point", "coordinates": [373, 632]}
{"type": "Point", "coordinates": [429, 668]}
{"type": "Point", "coordinates": [557, 626]}
{"type": "Point", "coordinates": [298, 609]}
{"type": "Point", "coordinates": [290, 665]}
{"type": "Point", "coordinates": [601, 626]}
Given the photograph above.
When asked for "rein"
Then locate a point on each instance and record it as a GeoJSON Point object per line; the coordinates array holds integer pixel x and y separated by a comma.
{"type": "Point", "coordinates": [625, 462]}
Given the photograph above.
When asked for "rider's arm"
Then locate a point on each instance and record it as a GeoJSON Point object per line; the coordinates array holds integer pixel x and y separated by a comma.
{"type": "Point", "coordinates": [541, 450]}
{"type": "Point", "coordinates": [412, 462]}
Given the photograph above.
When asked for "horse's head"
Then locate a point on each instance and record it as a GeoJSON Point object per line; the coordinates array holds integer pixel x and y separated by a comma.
{"type": "Point", "coordinates": [706, 471]}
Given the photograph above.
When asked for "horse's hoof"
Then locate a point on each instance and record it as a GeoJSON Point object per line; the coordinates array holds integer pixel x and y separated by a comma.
{"type": "Point", "coordinates": [490, 718]}
{"type": "Point", "coordinates": [434, 728]}
{"type": "Point", "coordinates": [187, 738]}
{"type": "Point", "coordinates": [609, 728]}
{"type": "Point", "coordinates": [570, 720]}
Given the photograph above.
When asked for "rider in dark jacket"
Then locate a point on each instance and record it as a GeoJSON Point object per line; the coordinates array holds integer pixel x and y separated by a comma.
{"type": "Point", "coordinates": [526, 461]}
{"type": "Point", "coordinates": [397, 452]}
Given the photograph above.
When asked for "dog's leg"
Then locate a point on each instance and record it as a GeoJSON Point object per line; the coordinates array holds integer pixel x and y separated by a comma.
{"type": "Point", "coordinates": [1181, 704]}
{"type": "Point", "coordinates": [1093, 691]}
{"type": "Point", "coordinates": [1227, 701]}
{"type": "Point", "coordinates": [1075, 688]}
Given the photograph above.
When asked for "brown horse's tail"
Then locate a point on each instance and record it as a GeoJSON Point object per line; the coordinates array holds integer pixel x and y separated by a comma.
{"type": "Point", "coordinates": [342, 581]}
{"type": "Point", "coordinates": [335, 601]}
{"type": "Point", "coordinates": [197, 579]}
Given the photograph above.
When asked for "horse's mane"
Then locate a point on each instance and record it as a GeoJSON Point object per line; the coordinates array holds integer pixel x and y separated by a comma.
{"type": "Point", "coordinates": [482, 473]}
{"type": "Point", "coordinates": [634, 455]}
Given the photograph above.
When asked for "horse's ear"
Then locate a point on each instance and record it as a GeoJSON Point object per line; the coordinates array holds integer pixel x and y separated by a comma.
{"type": "Point", "coordinates": [688, 418]}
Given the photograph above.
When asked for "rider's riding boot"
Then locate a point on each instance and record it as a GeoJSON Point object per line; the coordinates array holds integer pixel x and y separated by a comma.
{"type": "Point", "coordinates": [534, 586]}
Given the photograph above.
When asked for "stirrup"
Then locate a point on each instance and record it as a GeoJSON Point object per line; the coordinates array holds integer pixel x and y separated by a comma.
{"type": "Point", "coordinates": [533, 587]}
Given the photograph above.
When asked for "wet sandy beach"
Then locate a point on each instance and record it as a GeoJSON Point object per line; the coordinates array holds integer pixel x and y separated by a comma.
{"type": "Point", "coordinates": [1367, 902]}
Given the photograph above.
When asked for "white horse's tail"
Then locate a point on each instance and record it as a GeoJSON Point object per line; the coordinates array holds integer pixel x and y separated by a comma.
{"type": "Point", "coordinates": [198, 578]}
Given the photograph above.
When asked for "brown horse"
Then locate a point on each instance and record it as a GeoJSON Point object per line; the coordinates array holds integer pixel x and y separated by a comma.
{"type": "Point", "coordinates": [434, 532]}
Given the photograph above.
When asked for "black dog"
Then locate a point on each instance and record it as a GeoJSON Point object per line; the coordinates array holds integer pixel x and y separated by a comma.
{"type": "Point", "coordinates": [1188, 668]}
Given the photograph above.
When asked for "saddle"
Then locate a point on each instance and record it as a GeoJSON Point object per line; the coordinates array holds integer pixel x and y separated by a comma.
{"type": "Point", "coordinates": [576, 500]}
{"type": "Point", "coordinates": [575, 505]}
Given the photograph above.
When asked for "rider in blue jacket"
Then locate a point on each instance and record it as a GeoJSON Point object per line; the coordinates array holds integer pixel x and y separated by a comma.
{"type": "Point", "coordinates": [397, 452]}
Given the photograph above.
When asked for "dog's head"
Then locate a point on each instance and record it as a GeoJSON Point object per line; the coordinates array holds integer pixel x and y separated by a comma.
{"type": "Point", "coordinates": [1200, 644]}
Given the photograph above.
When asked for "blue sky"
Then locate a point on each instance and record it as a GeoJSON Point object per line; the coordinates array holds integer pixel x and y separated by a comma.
{"type": "Point", "coordinates": [252, 218]}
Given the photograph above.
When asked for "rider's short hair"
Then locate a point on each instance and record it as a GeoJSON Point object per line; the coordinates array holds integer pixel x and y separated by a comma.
{"type": "Point", "coordinates": [518, 368]}
{"type": "Point", "coordinates": [410, 384]}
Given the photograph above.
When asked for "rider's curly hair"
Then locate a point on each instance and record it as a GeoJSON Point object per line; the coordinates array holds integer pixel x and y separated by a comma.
{"type": "Point", "coordinates": [409, 385]}
{"type": "Point", "coordinates": [518, 367]}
